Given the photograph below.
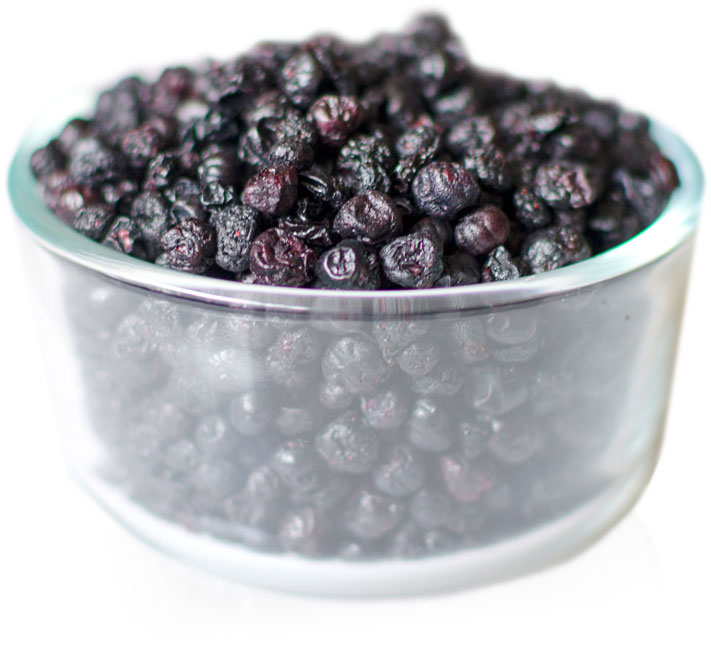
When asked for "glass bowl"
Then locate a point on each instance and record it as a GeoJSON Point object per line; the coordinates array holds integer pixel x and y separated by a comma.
{"type": "Point", "coordinates": [363, 442]}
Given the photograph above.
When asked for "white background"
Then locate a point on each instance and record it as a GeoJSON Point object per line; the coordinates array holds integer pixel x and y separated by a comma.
{"type": "Point", "coordinates": [71, 580]}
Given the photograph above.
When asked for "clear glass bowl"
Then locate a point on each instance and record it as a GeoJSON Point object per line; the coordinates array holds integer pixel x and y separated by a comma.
{"type": "Point", "coordinates": [362, 443]}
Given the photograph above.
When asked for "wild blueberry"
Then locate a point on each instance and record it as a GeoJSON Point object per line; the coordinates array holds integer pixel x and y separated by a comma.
{"type": "Point", "coordinates": [459, 269]}
{"type": "Point", "coordinates": [237, 227]}
{"type": "Point", "coordinates": [346, 266]}
{"type": "Point", "coordinates": [385, 409]}
{"type": "Point", "coordinates": [400, 472]}
{"type": "Point", "coordinates": [334, 396]}
{"type": "Point", "coordinates": [567, 184]}
{"type": "Point", "coordinates": [465, 481]}
{"type": "Point", "coordinates": [419, 359]}
{"type": "Point", "coordinates": [470, 134]}
{"type": "Point", "coordinates": [430, 508]}
{"type": "Point", "coordinates": [278, 258]}
{"type": "Point", "coordinates": [552, 248]}
{"type": "Point", "coordinates": [347, 445]}
{"type": "Point", "coordinates": [92, 163]}
{"type": "Point", "coordinates": [355, 363]}
{"type": "Point", "coordinates": [413, 260]}
{"type": "Point", "coordinates": [501, 265]}
{"type": "Point", "coordinates": [489, 166]}
{"type": "Point", "coordinates": [483, 230]}
{"type": "Point", "coordinates": [298, 465]}
{"type": "Point", "coordinates": [300, 78]}
{"type": "Point", "coordinates": [531, 210]}
{"type": "Point", "coordinates": [93, 220]}
{"type": "Point", "coordinates": [442, 189]}
{"type": "Point", "coordinates": [335, 118]}
{"type": "Point", "coordinates": [46, 160]}
{"type": "Point", "coordinates": [190, 246]}
{"type": "Point", "coordinates": [125, 236]}
{"type": "Point", "coordinates": [366, 162]}
{"type": "Point", "coordinates": [251, 412]}
{"type": "Point", "coordinates": [429, 426]}
{"type": "Point", "coordinates": [372, 217]}
{"type": "Point", "coordinates": [272, 191]}
{"type": "Point", "coordinates": [371, 516]}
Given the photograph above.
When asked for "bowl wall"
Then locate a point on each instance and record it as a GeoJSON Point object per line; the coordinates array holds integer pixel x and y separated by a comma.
{"type": "Point", "coordinates": [304, 438]}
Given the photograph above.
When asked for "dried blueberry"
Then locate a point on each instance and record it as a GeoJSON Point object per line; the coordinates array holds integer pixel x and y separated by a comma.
{"type": "Point", "coordinates": [429, 426]}
{"type": "Point", "coordinates": [347, 445]}
{"type": "Point", "coordinates": [372, 218]}
{"type": "Point", "coordinates": [335, 118]}
{"type": "Point", "coordinates": [355, 363]}
{"type": "Point", "coordinates": [279, 258]}
{"type": "Point", "coordinates": [386, 408]}
{"type": "Point", "coordinates": [567, 184]}
{"type": "Point", "coordinates": [371, 516]}
{"type": "Point", "coordinates": [272, 191]}
{"type": "Point", "coordinates": [413, 260]}
{"type": "Point", "coordinates": [442, 189]}
{"type": "Point", "coordinates": [401, 472]}
{"type": "Point", "coordinates": [346, 266]}
{"type": "Point", "coordinates": [553, 248]}
{"type": "Point", "coordinates": [482, 230]}
{"type": "Point", "coordinates": [237, 227]}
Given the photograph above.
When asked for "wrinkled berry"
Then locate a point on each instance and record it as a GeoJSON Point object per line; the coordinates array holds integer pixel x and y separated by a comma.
{"type": "Point", "coordinates": [346, 266]}
{"type": "Point", "coordinates": [278, 258]}
{"type": "Point", "coordinates": [567, 184]}
{"type": "Point", "coordinates": [553, 248]}
{"type": "Point", "coordinates": [335, 118]}
{"type": "Point", "coordinates": [237, 227]}
{"type": "Point", "coordinates": [347, 445]}
{"type": "Point", "coordinates": [400, 473]}
{"type": "Point", "coordinates": [442, 189]}
{"type": "Point", "coordinates": [189, 246]}
{"type": "Point", "coordinates": [373, 218]}
{"type": "Point", "coordinates": [501, 265]}
{"type": "Point", "coordinates": [412, 260]}
{"type": "Point", "coordinates": [482, 230]}
{"type": "Point", "coordinates": [272, 191]}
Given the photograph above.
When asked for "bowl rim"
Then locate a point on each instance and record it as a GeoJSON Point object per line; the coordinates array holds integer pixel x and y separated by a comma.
{"type": "Point", "coordinates": [668, 232]}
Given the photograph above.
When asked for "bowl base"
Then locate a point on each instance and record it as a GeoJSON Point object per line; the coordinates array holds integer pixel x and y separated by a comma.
{"type": "Point", "coordinates": [542, 547]}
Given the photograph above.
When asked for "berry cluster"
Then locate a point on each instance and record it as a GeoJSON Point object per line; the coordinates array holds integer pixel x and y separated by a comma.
{"type": "Point", "coordinates": [394, 163]}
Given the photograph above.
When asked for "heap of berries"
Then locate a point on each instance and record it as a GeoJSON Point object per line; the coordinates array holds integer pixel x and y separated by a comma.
{"type": "Point", "coordinates": [389, 164]}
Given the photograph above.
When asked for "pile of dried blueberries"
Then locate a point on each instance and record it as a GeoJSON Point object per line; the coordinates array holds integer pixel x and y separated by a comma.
{"type": "Point", "coordinates": [394, 163]}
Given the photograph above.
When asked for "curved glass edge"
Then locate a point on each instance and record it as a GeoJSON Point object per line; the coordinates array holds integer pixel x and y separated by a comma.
{"type": "Point", "coordinates": [673, 227]}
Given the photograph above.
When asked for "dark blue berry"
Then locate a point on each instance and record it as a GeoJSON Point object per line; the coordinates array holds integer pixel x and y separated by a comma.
{"type": "Point", "coordinates": [501, 265]}
{"type": "Point", "coordinates": [552, 248]}
{"type": "Point", "coordinates": [567, 184]}
{"type": "Point", "coordinates": [371, 516]}
{"type": "Point", "coordinates": [442, 189]}
{"type": "Point", "coordinates": [347, 445]}
{"type": "Point", "coordinates": [355, 363]}
{"type": "Point", "coordinates": [190, 246]}
{"type": "Point", "coordinates": [279, 258]}
{"type": "Point", "coordinates": [401, 472]}
{"type": "Point", "coordinates": [93, 220]}
{"type": "Point", "coordinates": [413, 260]}
{"type": "Point", "coordinates": [385, 409]}
{"type": "Point", "coordinates": [237, 226]}
{"type": "Point", "coordinates": [372, 218]}
{"type": "Point", "coordinates": [483, 230]}
{"type": "Point", "coordinates": [347, 266]}
{"type": "Point", "coordinates": [335, 118]}
{"type": "Point", "coordinates": [272, 191]}
{"type": "Point", "coordinates": [125, 236]}
{"type": "Point", "coordinates": [429, 426]}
